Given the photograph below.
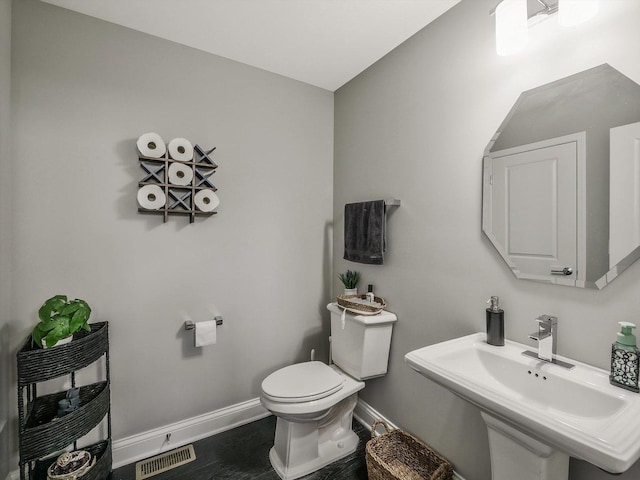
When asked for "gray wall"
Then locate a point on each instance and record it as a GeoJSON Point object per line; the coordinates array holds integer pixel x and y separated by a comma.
{"type": "Point", "coordinates": [83, 91]}
{"type": "Point", "coordinates": [5, 231]}
{"type": "Point", "coordinates": [414, 126]}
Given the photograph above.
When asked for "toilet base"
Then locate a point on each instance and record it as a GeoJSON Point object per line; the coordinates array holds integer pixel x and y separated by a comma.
{"type": "Point", "coordinates": [329, 452]}
{"type": "Point", "coordinates": [301, 448]}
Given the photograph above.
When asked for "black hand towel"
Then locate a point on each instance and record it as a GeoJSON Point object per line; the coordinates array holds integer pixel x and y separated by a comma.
{"type": "Point", "coordinates": [364, 232]}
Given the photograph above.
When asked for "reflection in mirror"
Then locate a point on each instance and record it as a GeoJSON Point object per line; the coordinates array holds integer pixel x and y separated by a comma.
{"type": "Point", "coordinates": [561, 180]}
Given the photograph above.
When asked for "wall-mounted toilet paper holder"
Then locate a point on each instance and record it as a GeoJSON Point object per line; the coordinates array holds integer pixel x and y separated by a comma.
{"type": "Point", "coordinates": [189, 325]}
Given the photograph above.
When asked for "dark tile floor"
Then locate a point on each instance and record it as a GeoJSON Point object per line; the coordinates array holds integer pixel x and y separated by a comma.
{"type": "Point", "coordinates": [243, 454]}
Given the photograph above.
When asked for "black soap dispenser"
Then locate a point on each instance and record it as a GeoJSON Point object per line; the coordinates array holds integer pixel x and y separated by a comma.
{"type": "Point", "coordinates": [495, 323]}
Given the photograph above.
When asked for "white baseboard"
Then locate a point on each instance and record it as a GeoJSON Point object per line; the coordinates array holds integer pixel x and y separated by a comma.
{"type": "Point", "coordinates": [366, 415]}
{"type": "Point", "coordinates": [143, 445]}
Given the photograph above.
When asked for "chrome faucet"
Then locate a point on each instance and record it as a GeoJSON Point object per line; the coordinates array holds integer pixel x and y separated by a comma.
{"type": "Point", "coordinates": [547, 338]}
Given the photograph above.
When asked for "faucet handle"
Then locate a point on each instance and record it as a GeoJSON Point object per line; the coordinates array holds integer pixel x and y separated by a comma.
{"type": "Point", "coordinates": [546, 321]}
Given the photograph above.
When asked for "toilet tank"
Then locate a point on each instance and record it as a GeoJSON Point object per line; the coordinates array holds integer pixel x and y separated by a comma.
{"type": "Point", "coordinates": [361, 348]}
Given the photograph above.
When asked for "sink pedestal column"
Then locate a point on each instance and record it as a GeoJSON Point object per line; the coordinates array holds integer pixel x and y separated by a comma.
{"type": "Point", "coordinates": [516, 455]}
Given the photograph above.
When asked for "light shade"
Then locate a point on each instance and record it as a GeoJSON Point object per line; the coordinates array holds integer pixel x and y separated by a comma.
{"type": "Point", "coordinates": [573, 12]}
{"type": "Point", "coordinates": [511, 26]}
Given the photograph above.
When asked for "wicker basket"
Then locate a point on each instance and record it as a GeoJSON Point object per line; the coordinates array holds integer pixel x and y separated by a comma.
{"type": "Point", "coordinates": [396, 455]}
{"type": "Point", "coordinates": [37, 364]}
{"type": "Point", "coordinates": [101, 451]}
{"type": "Point", "coordinates": [41, 434]}
{"type": "Point", "coordinates": [345, 301]}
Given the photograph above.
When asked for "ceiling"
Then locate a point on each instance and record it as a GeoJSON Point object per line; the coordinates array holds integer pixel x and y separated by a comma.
{"type": "Point", "coordinates": [321, 42]}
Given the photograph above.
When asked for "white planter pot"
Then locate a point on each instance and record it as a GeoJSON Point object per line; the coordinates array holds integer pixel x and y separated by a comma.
{"type": "Point", "coordinates": [62, 341]}
{"type": "Point", "coordinates": [350, 291]}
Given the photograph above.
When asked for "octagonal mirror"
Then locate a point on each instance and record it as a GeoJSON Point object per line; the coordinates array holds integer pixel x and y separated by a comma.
{"type": "Point", "coordinates": [561, 180]}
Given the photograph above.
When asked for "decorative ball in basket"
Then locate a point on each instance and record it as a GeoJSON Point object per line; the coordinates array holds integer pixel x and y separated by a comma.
{"type": "Point", "coordinates": [70, 466]}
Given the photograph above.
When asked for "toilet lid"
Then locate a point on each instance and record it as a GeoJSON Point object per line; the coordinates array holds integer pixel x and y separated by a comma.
{"type": "Point", "coordinates": [302, 382]}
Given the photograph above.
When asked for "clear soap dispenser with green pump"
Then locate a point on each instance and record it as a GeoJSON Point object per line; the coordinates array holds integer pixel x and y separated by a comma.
{"type": "Point", "coordinates": [625, 359]}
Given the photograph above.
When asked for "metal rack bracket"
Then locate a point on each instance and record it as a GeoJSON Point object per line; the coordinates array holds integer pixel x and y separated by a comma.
{"type": "Point", "coordinates": [189, 325]}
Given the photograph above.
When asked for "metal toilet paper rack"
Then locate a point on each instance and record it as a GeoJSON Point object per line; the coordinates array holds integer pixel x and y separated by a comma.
{"type": "Point", "coordinates": [190, 325]}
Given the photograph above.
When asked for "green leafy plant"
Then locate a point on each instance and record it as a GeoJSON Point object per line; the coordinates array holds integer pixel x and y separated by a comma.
{"type": "Point", "coordinates": [349, 279]}
{"type": "Point", "coordinates": [60, 318]}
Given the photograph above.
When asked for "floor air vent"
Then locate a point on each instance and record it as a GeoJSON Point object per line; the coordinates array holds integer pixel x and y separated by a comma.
{"type": "Point", "coordinates": [166, 461]}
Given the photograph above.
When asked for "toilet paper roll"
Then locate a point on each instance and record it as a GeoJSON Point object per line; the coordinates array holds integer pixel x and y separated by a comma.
{"type": "Point", "coordinates": [206, 200]}
{"type": "Point", "coordinates": [205, 333]}
{"type": "Point", "coordinates": [151, 197]}
{"type": "Point", "coordinates": [180, 174]}
{"type": "Point", "coordinates": [151, 145]}
{"type": "Point", "coordinates": [181, 149]}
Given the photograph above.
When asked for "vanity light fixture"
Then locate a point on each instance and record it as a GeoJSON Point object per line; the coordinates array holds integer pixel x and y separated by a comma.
{"type": "Point", "coordinates": [513, 19]}
{"type": "Point", "coordinates": [512, 31]}
{"type": "Point", "coordinates": [574, 12]}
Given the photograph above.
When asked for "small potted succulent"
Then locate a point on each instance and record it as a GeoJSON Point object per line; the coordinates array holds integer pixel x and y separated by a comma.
{"type": "Point", "coordinates": [59, 320]}
{"type": "Point", "coordinates": [350, 281]}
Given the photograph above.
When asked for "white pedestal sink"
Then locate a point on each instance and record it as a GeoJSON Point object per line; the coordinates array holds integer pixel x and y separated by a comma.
{"type": "Point", "coordinates": [537, 413]}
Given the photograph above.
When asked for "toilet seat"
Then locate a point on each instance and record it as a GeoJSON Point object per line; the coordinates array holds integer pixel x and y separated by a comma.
{"type": "Point", "coordinates": [302, 382]}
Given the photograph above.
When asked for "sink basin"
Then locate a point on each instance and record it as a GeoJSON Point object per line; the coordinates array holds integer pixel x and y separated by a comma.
{"type": "Point", "coordinates": [575, 411]}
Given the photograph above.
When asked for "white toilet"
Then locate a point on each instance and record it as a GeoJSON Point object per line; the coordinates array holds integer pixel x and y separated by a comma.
{"type": "Point", "coordinates": [314, 402]}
